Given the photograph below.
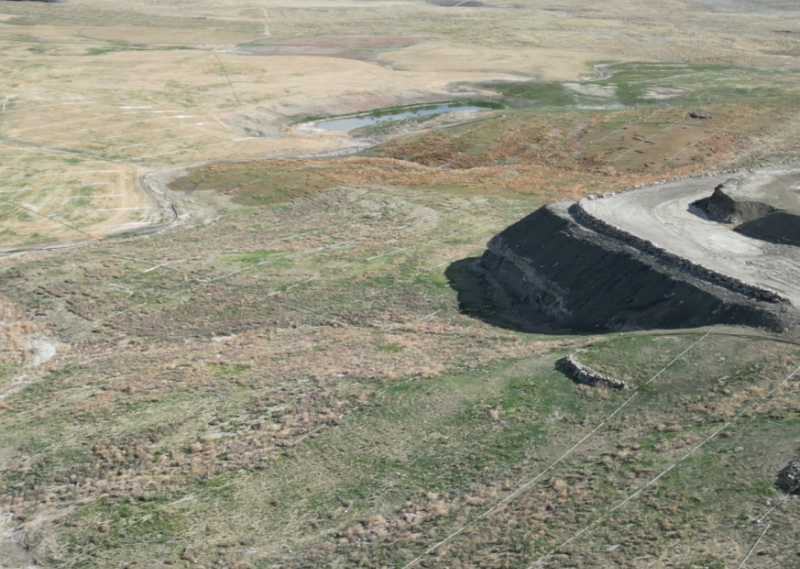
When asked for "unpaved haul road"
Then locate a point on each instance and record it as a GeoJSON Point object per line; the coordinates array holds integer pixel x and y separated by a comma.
{"type": "Point", "coordinates": [661, 214]}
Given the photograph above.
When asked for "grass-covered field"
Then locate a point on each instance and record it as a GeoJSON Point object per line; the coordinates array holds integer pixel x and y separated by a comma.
{"type": "Point", "coordinates": [308, 372]}
{"type": "Point", "coordinates": [652, 85]}
{"type": "Point", "coordinates": [318, 380]}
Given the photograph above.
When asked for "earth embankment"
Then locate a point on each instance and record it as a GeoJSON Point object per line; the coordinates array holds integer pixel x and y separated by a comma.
{"type": "Point", "coordinates": [776, 227]}
{"type": "Point", "coordinates": [724, 208]}
{"type": "Point", "coordinates": [554, 273]}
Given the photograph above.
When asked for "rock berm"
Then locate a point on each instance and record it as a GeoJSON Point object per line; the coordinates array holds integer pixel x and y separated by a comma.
{"type": "Point", "coordinates": [585, 374]}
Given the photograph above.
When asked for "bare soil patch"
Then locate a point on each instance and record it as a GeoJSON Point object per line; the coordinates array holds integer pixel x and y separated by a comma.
{"type": "Point", "coordinates": [349, 47]}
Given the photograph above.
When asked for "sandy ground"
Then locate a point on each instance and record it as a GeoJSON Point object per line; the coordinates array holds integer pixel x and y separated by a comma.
{"type": "Point", "coordinates": [127, 84]}
{"type": "Point", "coordinates": [56, 128]}
{"type": "Point", "coordinates": [661, 214]}
{"type": "Point", "coordinates": [772, 186]}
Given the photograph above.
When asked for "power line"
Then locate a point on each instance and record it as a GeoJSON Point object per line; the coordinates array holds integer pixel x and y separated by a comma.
{"type": "Point", "coordinates": [752, 549]}
{"type": "Point", "coordinates": [221, 66]}
{"type": "Point", "coordinates": [560, 459]}
{"type": "Point", "coordinates": [652, 481]}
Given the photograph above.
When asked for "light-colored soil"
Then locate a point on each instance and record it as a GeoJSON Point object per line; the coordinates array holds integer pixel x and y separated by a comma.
{"type": "Point", "coordinates": [46, 198]}
{"type": "Point", "coordinates": [122, 110]}
{"type": "Point", "coordinates": [776, 187]}
{"type": "Point", "coordinates": [533, 62]}
{"type": "Point", "coordinates": [663, 215]}
{"type": "Point", "coordinates": [127, 83]}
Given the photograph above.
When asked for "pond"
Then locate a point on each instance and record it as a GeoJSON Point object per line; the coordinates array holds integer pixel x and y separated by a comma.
{"type": "Point", "coordinates": [342, 125]}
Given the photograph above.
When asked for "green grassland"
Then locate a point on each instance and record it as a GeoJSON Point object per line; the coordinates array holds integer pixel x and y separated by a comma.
{"type": "Point", "coordinates": [312, 392]}
{"type": "Point", "coordinates": [651, 85]}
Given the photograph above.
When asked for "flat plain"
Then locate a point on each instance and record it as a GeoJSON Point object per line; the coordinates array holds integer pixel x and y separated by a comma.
{"type": "Point", "coordinates": [231, 339]}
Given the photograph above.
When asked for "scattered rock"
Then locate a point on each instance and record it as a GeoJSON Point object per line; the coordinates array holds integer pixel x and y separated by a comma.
{"type": "Point", "coordinates": [789, 477]}
{"type": "Point", "coordinates": [585, 374]}
{"type": "Point", "coordinates": [697, 114]}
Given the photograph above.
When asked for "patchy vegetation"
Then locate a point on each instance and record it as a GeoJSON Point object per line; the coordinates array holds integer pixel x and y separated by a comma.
{"type": "Point", "coordinates": [547, 157]}
{"type": "Point", "coordinates": [306, 373]}
{"type": "Point", "coordinates": [316, 377]}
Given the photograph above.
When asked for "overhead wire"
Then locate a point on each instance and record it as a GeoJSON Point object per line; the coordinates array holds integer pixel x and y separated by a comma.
{"type": "Point", "coordinates": [508, 498]}
{"type": "Point", "coordinates": [655, 479]}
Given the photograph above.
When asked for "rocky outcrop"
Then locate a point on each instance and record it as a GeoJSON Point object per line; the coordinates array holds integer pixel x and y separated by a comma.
{"type": "Point", "coordinates": [554, 273]}
{"type": "Point", "coordinates": [698, 114]}
{"type": "Point", "coordinates": [789, 477]}
{"type": "Point", "coordinates": [586, 375]}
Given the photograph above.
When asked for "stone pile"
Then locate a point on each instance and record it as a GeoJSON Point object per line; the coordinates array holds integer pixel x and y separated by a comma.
{"type": "Point", "coordinates": [789, 477]}
{"type": "Point", "coordinates": [585, 374]}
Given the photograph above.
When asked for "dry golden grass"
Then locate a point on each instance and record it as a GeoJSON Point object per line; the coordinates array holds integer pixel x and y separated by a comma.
{"type": "Point", "coordinates": [129, 87]}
